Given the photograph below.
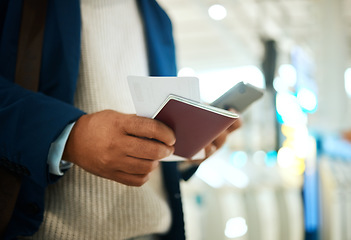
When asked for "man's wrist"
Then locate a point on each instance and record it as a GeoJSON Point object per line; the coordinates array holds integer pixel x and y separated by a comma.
{"type": "Point", "coordinates": [55, 162]}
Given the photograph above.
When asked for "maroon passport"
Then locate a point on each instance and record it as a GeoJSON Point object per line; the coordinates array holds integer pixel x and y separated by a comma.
{"type": "Point", "coordinates": [195, 124]}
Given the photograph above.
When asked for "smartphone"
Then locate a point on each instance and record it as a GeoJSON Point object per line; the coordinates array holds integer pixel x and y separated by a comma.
{"type": "Point", "coordinates": [239, 97]}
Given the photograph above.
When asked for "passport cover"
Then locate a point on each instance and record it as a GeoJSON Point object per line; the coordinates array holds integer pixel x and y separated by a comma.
{"type": "Point", "coordinates": [195, 125]}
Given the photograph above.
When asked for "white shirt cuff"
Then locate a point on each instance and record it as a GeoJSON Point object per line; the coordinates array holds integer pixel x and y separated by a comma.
{"type": "Point", "coordinates": [55, 162]}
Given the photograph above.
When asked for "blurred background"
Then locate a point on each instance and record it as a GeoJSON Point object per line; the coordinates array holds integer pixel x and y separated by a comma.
{"type": "Point", "coordinates": [286, 173]}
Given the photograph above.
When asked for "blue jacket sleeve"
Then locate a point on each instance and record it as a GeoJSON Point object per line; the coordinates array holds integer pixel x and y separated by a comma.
{"type": "Point", "coordinates": [29, 123]}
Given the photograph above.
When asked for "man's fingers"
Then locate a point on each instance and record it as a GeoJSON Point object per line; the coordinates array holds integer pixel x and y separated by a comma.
{"type": "Point", "coordinates": [135, 180]}
{"type": "Point", "coordinates": [149, 128]}
{"type": "Point", "coordinates": [145, 148]}
{"type": "Point", "coordinates": [234, 126]}
{"type": "Point", "coordinates": [220, 140]}
{"type": "Point", "coordinates": [136, 166]}
{"type": "Point", "coordinates": [210, 149]}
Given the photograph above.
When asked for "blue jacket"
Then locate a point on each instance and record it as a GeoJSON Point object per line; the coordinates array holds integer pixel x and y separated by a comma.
{"type": "Point", "coordinates": [30, 122]}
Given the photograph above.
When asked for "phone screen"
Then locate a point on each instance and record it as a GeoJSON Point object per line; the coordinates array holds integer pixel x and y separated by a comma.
{"type": "Point", "coordinates": [239, 97]}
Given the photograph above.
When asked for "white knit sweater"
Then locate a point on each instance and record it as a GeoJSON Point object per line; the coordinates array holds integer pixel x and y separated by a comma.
{"type": "Point", "coordinates": [81, 205]}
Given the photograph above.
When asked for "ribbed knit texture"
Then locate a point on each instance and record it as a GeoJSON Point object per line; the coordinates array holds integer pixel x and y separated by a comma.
{"type": "Point", "coordinates": [84, 206]}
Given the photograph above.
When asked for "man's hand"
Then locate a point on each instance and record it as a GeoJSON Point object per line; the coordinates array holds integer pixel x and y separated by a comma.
{"type": "Point", "coordinates": [121, 147]}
